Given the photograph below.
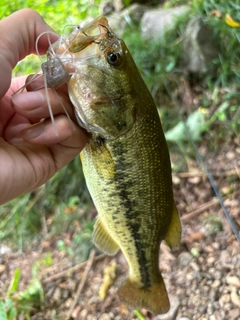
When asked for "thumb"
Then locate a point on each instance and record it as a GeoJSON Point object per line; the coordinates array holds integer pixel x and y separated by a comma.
{"type": "Point", "coordinates": [18, 34]}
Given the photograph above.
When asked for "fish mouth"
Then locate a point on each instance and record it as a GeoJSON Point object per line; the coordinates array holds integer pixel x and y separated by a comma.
{"type": "Point", "coordinates": [94, 32]}
{"type": "Point", "coordinates": [105, 100]}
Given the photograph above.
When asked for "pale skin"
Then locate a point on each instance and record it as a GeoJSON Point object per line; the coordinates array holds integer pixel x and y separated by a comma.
{"type": "Point", "coordinates": [30, 152]}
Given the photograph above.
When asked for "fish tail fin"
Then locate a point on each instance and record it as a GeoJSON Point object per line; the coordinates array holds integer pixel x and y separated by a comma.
{"type": "Point", "coordinates": [155, 299]}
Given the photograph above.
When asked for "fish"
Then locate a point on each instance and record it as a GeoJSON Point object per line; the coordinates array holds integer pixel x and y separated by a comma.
{"type": "Point", "coordinates": [126, 162]}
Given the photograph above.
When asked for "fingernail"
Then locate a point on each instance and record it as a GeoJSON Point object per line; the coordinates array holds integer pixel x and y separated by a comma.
{"type": "Point", "coordinates": [36, 98]}
{"type": "Point", "coordinates": [32, 131]}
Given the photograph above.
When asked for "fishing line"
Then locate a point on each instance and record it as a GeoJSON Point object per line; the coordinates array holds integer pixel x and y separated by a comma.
{"type": "Point", "coordinates": [37, 40]}
{"type": "Point", "coordinates": [49, 105]}
{"type": "Point", "coordinates": [212, 182]}
{"type": "Point", "coordinates": [65, 110]}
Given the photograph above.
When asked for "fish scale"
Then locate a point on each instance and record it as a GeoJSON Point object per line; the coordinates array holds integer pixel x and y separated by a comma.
{"type": "Point", "coordinates": [126, 161]}
{"type": "Point", "coordinates": [135, 197]}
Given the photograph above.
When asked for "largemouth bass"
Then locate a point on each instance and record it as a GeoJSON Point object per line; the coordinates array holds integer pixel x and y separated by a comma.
{"type": "Point", "coordinates": [126, 161]}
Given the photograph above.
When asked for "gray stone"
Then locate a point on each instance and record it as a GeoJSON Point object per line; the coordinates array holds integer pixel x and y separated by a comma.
{"type": "Point", "coordinates": [131, 15]}
{"type": "Point", "coordinates": [4, 250]}
{"type": "Point", "coordinates": [106, 8]}
{"type": "Point", "coordinates": [156, 22]}
{"type": "Point", "coordinates": [234, 314]}
{"type": "Point", "coordinates": [184, 259]}
{"type": "Point", "coordinates": [104, 316]}
{"type": "Point", "coordinates": [199, 47]}
{"type": "Point", "coordinates": [119, 4]}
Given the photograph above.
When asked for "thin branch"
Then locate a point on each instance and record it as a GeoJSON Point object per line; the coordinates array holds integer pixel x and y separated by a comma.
{"type": "Point", "coordinates": [72, 269]}
{"type": "Point", "coordinates": [190, 174]}
{"type": "Point", "coordinates": [205, 206]}
{"type": "Point", "coordinates": [82, 282]}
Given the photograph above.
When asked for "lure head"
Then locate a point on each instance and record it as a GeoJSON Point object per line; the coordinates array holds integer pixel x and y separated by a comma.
{"type": "Point", "coordinates": [104, 85]}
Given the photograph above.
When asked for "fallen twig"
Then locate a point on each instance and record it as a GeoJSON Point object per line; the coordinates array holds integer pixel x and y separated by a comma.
{"type": "Point", "coordinates": [205, 206]}
{"type": "Point", "coordinates": [72, 269]}
{"type": "Point", "coordinates": [200, 209]}
{"type": "Point", "coordinates": [190, 174]}
{"type": "Point", "coordinates": [82, 282]}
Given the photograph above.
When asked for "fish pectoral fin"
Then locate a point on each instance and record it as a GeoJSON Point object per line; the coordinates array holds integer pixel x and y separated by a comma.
{"type": "Point", "coordinates": [103, 240]}
{"type": "Point", "coordinates": [174, 232]}
{"type": "Point", "coordinates": [155, 299]}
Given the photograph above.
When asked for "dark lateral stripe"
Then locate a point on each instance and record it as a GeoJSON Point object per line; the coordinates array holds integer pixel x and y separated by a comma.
{"type": "Point", "coordinates": [124, 181]}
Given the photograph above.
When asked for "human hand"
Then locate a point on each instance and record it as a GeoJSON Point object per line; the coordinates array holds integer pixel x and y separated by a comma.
{"type": "Point", "coordinates": [30, 151]}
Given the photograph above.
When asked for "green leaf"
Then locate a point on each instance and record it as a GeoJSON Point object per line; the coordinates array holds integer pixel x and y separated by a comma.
{"type": "Point", "coordinates": [138, 314]}
{"type": "Point", "coordinates": [14, 282]}
{"type": "Point", "coordinates": [34, 292]}
{"type": "Point", "coordinates": [196, 125]}
{"type": "Point", "coordinates": [48, 259]}
{"type": "Point", "coordinates": [3, 313]}
{"type": "Point", "coordinates": [12, 314]}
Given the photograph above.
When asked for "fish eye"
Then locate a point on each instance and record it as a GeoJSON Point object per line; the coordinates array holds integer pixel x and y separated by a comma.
{"type": "Point", "coordinates": [113, 58]}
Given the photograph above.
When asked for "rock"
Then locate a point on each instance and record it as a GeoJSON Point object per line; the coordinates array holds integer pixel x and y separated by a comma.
{"type": "Point", "coordinates": [106, 8]}
{"type": "Point", "coordinates": [216, 283]}
{"type": "Point", "coordinates": [234, 281]}
{"type": "Point", "coordinates": [213, 295]}
{"type": "Point", "coordinates": [208, 249]}
{"type": "Point", "coordinates": [156, 22]}
{"type": "Point", "coordinates": [218, 275]}
{"type": "Point", "coordinates": [216, 245]}
{"type": "Point", "coordinates": [83, 314]}
{"type": "Point", "coordinates": [2, 268]}
{"type": "Point", "coordinates": [120, 4]}
{"type": "Point", "coordinates": [4, 250]}
{"type": "Point", "coordinates": [104, 316]}
{"type": "Point", "coordinates": [195, 180]}
{"type": "Point", "coordinates": [172, 313]}
{"type": "Point", "coordinates": [235, 298]}
{"type": "Point", "coordinates": [225, 257]}
{"type": "Point", "coordinates": [119, 21]}
{"type": "Point", "coordinates": [184, 259]}
{"type": "Point", "coordinates": [210, 260]}
{"type": "Point", "coordinates": [199, 47]}
{"type": "Point", "coordinates": [224, 299]}
{"type": "Point", "coordinates": [234, 314]}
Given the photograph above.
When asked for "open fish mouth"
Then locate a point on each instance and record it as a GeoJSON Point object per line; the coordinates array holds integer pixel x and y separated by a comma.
{"type": "Point", "coordinates": [93, 58]}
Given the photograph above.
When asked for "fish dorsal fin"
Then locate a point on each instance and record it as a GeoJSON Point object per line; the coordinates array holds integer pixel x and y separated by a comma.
{"type": "Point", "coordinates": [173, 236]}
{"type": "Point", "coordinates": [103, 240]}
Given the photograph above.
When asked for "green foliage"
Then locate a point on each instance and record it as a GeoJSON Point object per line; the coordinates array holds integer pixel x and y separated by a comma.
{"type": "Point", "coordinates": [14, 283]}
{"type": "Point", "coordinates": [196, 125]}
{"type": "Point", "coordinates": [83, 240]}
{"type": "Point", "coordinates": [138, 314]}
{"type": "Point", "coordinates": [22, 218]}
{"type": "Point", "coordinates": [158, 59]}
{"type": "Point", "coordinates": [56, 13]}
{"type": "Point", "coordinates": [214, 13]}
{"type": "Point", "coordinates": [23, 302]}
{"type": "Point", "coordinates": [212, 224]}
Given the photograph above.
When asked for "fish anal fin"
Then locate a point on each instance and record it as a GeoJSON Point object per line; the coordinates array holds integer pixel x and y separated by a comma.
{"type": "Point", "coordinates": [174, 232]}
{"type": "Point", "coordinates": [103, 240]}
{"type": "Point", "coordinates": [155, 299]}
